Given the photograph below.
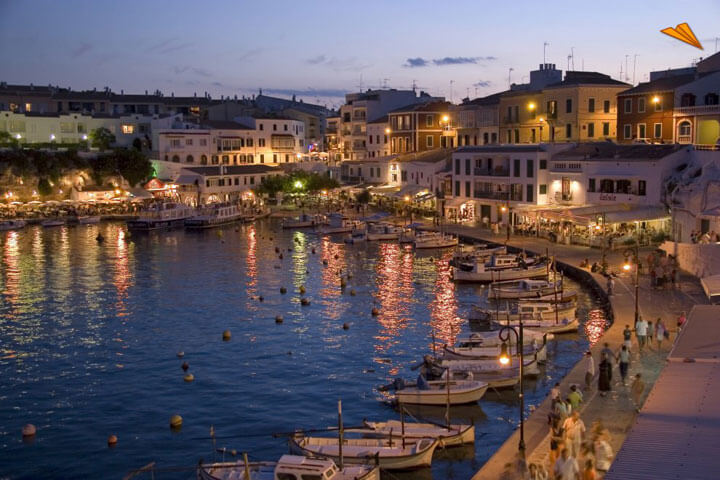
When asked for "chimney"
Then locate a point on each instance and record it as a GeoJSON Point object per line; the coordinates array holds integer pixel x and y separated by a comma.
{"type": "Point", "coordinates": [145, 92]}
{"type": "Point", "coordinates": [32, 87]}
{"type": "Point", "coordinates": [122, 92]}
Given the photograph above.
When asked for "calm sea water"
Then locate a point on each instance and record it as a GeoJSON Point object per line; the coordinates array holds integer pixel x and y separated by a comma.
{"type": "Point", "coordinates": [89, 335]}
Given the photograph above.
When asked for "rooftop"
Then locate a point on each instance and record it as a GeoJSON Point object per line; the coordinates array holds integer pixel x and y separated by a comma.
{"type": "Point", "coordinates": [677, 429]}
{"type": "Point", "coordinates": [430, 156]}
{"type": "Point", "coordinates": [501, 148]}
{"type": "Point", "coordinates": [434, 106]}
{"type": "Point", "coordinates": [383, 119]}
{"type": "Point", "coordinates": [493, 99]}
{"type": "Point", "coordinates": [613, 151]}
{"type": "Point", "coordinates": [575, 78]}
{"type": "Point", "coordinates": [662, 84]}
{"type": "Point", "coordinates": [224, 125]}
{"type": "Point", "coordinates": [253, 169]}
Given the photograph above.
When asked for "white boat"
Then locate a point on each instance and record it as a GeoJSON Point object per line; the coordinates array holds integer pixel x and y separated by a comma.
{"type": "Point", "coordinates": [465, 351]}
{"type": "Point", "coordinates": [384, 231]}
{"type": "Point", "coordinates": [435, 240]}
{"type": "Point", "coordinates": [480, 367]}
{"type": "Point", "coordinates": [161, 215]}
{"type": "Point", "coordinates": [499, 268]}
{"type": "Point", "coordinates": [304, 221]}
{"type": "Point", "coordinates": [407, 235]}
{"type": "Point", "coordinates": [527, 311]}
{"type": "Point", "coordinates": [55, 222]}
{"type": "Point", "coordinates": [524, 288]}
{"type": "Point", "coordinates": [468, 254]}
{"type": "Point", "coordinates": [491, 338]}
{"type": "Point", "coordinates": [461, 392]}
{"type": "Point", "coordinates": [367, 450]}
{"type": "Point", "coordinates": [215, 216]}
{"type": "Point", "coordinates": [88, 219]}
{"type": "Point", "coordinates": [450, 436]}
{"type": "Point", "coordinates": [12, 225]}
{"type": "Point", "coordinates": [563, 325]}
{"type": "Point", "coordinates": [293, 467]}
{"type": "Point", "coordinates": [337, 224]}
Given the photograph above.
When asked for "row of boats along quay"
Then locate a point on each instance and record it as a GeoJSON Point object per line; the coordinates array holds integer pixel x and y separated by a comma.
{"type": "Point", "coordinates": [453, 339]}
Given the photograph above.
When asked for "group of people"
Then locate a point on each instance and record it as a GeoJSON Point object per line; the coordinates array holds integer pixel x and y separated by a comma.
{"type": "Point", "coordinates": [707, 237]}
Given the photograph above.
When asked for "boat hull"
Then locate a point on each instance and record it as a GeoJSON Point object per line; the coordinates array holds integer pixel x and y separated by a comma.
{"type": "Point", "coordinates": [149, 225]}
{"type": "Point", "coordinates": [439, 396]}
{"type": "Point", "coordinates": [491, 353]}
{"type": "Point", "coordinates": [549, 326]}
{"type": "Point", "coordinates": [197, 223]}
{"type": "Point", "coordinates": [455, 436]}
{"type": "Point", "coordinates": [460, 275]}
{"type": "Point", "coordinates": [530, 368]}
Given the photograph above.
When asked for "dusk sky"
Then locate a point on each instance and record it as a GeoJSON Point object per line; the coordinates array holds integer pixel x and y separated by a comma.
{"type": "Point", "coordinates": [321, 50]}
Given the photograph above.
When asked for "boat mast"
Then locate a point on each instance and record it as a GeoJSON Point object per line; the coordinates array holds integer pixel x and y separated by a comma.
{"type": "Point", "coordinates": [340, 436]}
{"type": "Point", "coordinates": [555, 289]}
{"type": "Point", "coordinates": [247, 466]}
{"type": "Point", "coordinates": [447, 397]}
{"type": "Point", "coordinates": [402, 423]}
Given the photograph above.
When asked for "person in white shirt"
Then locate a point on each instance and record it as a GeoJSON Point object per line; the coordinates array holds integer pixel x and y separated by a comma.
{"type": "Point", "coordinates": [641, 333]}
{"type": "Point", "coordinates": [566, 467]}
{"type": "Point", "coordinates": [589, 370]}
{"type": "Point", "coordinates": [603, 454]}
{"type": "Point", "coordinates": [574, 429]}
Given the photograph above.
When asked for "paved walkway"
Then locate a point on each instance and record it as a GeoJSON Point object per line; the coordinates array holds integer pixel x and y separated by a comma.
{"type": "Point", "coordinates": [615, 411]}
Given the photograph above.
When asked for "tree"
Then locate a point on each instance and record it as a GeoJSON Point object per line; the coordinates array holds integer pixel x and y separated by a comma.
{"type": "Point", "coordinates": [101, 167]}
{"type": "Point", "coordinates": [363, 197]}
{"type": "Point", "coordinates": [102, 138]}
{"type": "Point", "coordinates": [137, 144]}
{"type": "Point", "coordinates": [44, 187]}
{"type": "Point", "coordinates": [7, 139]}
{"type": "Point", "coordinates": [133, 165]}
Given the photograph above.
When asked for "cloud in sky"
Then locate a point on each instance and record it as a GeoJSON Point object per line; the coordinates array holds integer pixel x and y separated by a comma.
{"type": "Point", "coordinates": [337, 64]}
{"type": "Point", "coordinates": [440, 62]}
{"type": "Point", "coordinates": [178, 70]}
{"type": "Point", "coordinates": [81, 50]}
{"type": "Point", "coordinates": [307, 92]}
{"type": "Point", "coordinates": [168, 45]}
{"type": "Point", "coordinates": [482, 83]}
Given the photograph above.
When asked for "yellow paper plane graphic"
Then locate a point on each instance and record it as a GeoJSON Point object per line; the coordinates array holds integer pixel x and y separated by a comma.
{"type": "Point", "coordinates": [684, 33]}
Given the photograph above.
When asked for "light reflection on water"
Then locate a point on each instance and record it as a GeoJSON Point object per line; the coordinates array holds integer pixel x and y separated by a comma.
{"type": "Point", "coordinates": [89, 333]}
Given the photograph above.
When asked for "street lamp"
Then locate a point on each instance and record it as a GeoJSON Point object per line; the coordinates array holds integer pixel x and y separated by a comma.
{"type": "Point", "coordinates": [505, 359]}
{"type": "Point", "coordinates": [387, 130]}
{"type": "Point", "coordinates": [542, 122]}
{"type": "Point", "coordinates": [655, 99]}
{"type": "Point", "coordinates": [298, 184]}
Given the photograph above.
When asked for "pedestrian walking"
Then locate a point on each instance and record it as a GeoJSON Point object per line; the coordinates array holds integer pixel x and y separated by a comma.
{"type": "Point", "coordinates": [637, 390]}
{"type": "Point", "coordinates": [537, 471]}
{"type": "Point", "coordinates": [627, 336]}
{"type": "Point", "coordinates": [607, 351]}
{"type": "Point", "coordinates": [624, 362]}
{"type": "Point", "coordinates": [575, 397]}
{"type": "Point", "coordinates": [555, 392]}
{"type": "Point", "coordinates": [681, 322]}
{"type": "Point", "coordinates": [603, 453]}
{"type": "Point", "coordinates": [661, 333]}
{"type": "Point", "coordinates": [610, 285]}
{"type": "Point", "coordinates": [589, 370]}
{"type": "Point", "coordinates": [566, 467]}
{"type": "Point", "coordinates": [650, 334]}
{"type": "Point", "coordinates": [605, 375]}
{"type": "Point", "coordinates": [574, 430]}
{"type": "Point", "coordinates": [641, 333]}
{"type": "Point", "coordinates": [589, 472]}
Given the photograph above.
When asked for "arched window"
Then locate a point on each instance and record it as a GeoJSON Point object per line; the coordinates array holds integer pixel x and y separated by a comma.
{"type": "Point", "coordinates": [684, 128]}
{"type": "Point", "coordinates": [189, 159]}
{"type": "Point", "coordinates": [203, 159]}
{"type": "Point", "coordinates": [176, 159]}
{"type": "Point", "coordinates": [711, 99]}
{"type": "Point", "coordinates": [215, 160]}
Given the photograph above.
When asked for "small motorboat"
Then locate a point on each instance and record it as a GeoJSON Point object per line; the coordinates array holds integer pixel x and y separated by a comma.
{"type": "Point", "coordinates": [468, 254]}
{"type": "Point", "coordinates": [288, 467]}
{"type": "Point", "coordinates": [450, 436]}
{"type": "Point", "coordinates": [215, 216]}
{"type": "Point", "coordinates": [12, 225]}
{"type": "Point", "coordinates": [470, 351]}
{"type": "Point", "coordinates": [337, 223]}
{"type": "Point", "coordinates": [499, 268]}
{"type": "Point", "coordinates": [442, 392]}
{"type": "Point", "coordinates": [435, 240]}
{"type": "Point", "coordinates": [54, 222]}
{"type": "Point", "coordinates": [88, 219]}
{"type": "Point", "coordinates": [407, 235]}
{"type": "Point", "coordinates": [482, 367]}
{"type": "Point", "coordinates": [384, 231]}
{"type": "Point", "coordinates": [161, 216]}
{"type": "Point", "coordinates": [304, 221]}
{"type": "Point", "coordinates": [389, 454]}
{"type": "Point", "coordinates": [526, 311]}
{"type": "Point", "coordinates": [525, 288]}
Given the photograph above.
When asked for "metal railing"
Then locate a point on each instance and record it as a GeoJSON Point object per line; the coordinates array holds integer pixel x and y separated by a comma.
{"type": "Point", "coordinates": [492, 172]}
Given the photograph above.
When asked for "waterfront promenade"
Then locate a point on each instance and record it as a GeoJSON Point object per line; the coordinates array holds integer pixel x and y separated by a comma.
{"type": "Point", "coordinates": [616, 410]}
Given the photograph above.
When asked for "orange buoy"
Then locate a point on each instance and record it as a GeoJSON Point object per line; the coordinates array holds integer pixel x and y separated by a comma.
{"type": "Point", "coordinates": [189, 377]}
{"type": "Point", "coordinates": [176, 421]}
{"type": "Point", "coordinates": [112, 440]}
{"type": "Point", "coordinates": [226, 335]}
{"type": "Point", "coordinates": [29, 430]}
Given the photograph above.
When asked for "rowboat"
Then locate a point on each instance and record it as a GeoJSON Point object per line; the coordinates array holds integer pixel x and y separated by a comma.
{"type": "Point", "coordinates": [472, 352]}
{"type": "Point", "coordinates": [435, 240]}
{"type": "Point", "coordinates": [453, 435]}
{"type": "Point", "coordinates": [368, 451]}
{"type": "Point", "coordinates": [530, 366]}
{"type": "Point", "coordinates": [458, 392]}
{"type": "Point", "coordinates": [303, 221]}
{"type": "Point", "coordinates": [384, 231]}
{"type": "Point", "coordinates": [500, 268]}
{"type": "Point", "coordinates": [527, 311]}
{"type": "Point", "coordinates": [12, 225]}
{"type": "Point", "coordinates": [525, 288]}
{"type": "Point", "coordinates": [288, 467]}
{"type": "Point", "coordinates": [53, 223]}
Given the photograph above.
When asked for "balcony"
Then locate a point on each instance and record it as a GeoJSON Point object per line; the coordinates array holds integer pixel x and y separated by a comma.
{"type": "Point", "coordinates": [494, 172]}
{"type": "Point", "coordinates": [566, 167]}
{"type": "Point", "coordinates": [495, 195]}
{"type": "Point", "coordinates": [698, 110]}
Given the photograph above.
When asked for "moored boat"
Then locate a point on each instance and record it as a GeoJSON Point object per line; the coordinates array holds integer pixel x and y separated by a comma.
{"type": "Point", "coordinates": [54, 222]}
{"type": "Point", "coordinates": [304, 221]}
{"type": "Point", "coordinates": [530, 367]}
{"type": "Point", "coordinates": [389, 456]}
{"type": "Point", "coordinates": [478, 352]}
{"type": "Point", "coordinates": [499, 268]}
{"type": "Point", "coordinates": [337, 223]}
{"type": "Point", "coordinates": [88, 219]}
{"type": "Point", "coordinates": [527, 311]}
{"type": "Point", "coordinates": [449, 436]}
{"type": "Point", "coordinates": [407, 235]}
{"type": "Point", "coordinates": [525, 288]}
{"type": "Point", "coordinates": [384, 231]}
{"type": "Point", "coordinates": [288, 467]}
{"type": "Point", "coordinates": [442, 392]}
{"type": "Point", "coordinates": [435, 240]}
{"type": "Point", "coordinates": [215, 216]}
{"type": "Point", "coordinates": [468, 254]}
{"type": "Point", "coordinates": [161, 216]}
{"type": "Point", "coordinates": [12, 224]}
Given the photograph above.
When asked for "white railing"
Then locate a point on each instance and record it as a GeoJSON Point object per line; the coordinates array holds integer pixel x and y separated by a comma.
{"type": "Point", "coordinates": [699, 110]}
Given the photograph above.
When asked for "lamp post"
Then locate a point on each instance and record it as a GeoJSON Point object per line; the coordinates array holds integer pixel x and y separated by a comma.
{"type": "Point", "coordinates": [627, 268]}
{"type": "Point", "coordinates": [505, 359]}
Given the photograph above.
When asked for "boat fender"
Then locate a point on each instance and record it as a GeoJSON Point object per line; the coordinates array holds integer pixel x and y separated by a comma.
{"type": "Point", "coordinates": [189, 377]}
{"type": "Point", "coordinates": [112, 441]}
{"type": "Point", "coordinates": [278, 319]}
{"type": "Point", "coordinates": [29, 430]}
{"type": "Point", "coordinates": [226, 335]}
{"type": "Point", "coordinates": [176, 422]}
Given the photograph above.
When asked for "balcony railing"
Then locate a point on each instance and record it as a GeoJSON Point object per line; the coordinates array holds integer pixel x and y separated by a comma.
{"type": "Point", "coordinates": [698, 110]}
{"type": "Point", "coordinates": [494, 172]}
{"type": "Point", "coordinates": [494, 195]}
{"type": "Point", "coordinates": [684, 139]}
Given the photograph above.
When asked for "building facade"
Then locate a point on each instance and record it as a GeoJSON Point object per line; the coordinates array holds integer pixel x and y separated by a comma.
{"type": "Point", "coordinates": [420, 127]}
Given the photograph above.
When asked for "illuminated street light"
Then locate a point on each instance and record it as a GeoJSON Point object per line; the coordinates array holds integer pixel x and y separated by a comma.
{"type": "Point", "coordinates": [299, 156]}
{"type": "Point", "coordinates": [387, 130]}
{"type": "Point", "coordinates": [531, 106]}
{"type": "Point", "coordinates": [407, 198]}
{"type": "Point", "coordinates": [503, 208]}
{"type": "Point", "coordinates": [627, 266]}
{"type": "Point", "coordinates": [298, 184]}
{"type": "Point", "coordinates": [52, 136]}
{"type": "Point", "coordinates": [655, 99]}
{"type": "Point", "coordinates": [445, 118]}
{"type": "Point", "coordinates": [504, 358]}
{"type": "Point", "coordinates": [18, 136]}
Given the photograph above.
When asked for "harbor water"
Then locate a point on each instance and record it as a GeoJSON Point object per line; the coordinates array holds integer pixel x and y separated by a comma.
{"type": "Point", "coordinates": [90, 332]}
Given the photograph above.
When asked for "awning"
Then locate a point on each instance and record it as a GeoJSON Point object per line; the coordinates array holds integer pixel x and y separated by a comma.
{"type": "Point", "coordinates": [410, 190]}
{"type": "Point", "coordinates": [140, 193]}
{"type": "Point", "coordinates": [384, 189]}
{"type": "Point", "coordinates": [639, 214]}
{"type": "Point", "coordinates": [711, 285]}
{"type": "Point", "coordinates": [425, 197]}
{"type": "Point", "coordinates": [455, 202]}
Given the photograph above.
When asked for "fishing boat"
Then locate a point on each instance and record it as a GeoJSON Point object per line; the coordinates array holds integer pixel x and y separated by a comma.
{"type": "Point", "coordinates": [12, 225]}
{"type": "Point", "coordinates": [53, 222]}
{"type": "Point", "coordinates": [289, 467]}
{"type": "Point", "coordinates": [87, 219]}
{"type": "Point", "coordinates": [491, 338]}
{"type": "Point", "coordinates": [448, 436]}
{"type": "Point", "coordinates": [215, 216]}
{"type": "Point", "coordinates": [389, 455]}
{"type": "Point", "coordinates": [384, 231]}
{"type": "Point", "coordinates": [568, 296]}
{"type": "Point", "coordinates": [303, 221]}
{"type": "Point", "coordinates": [499, 268]}
{"type": "Point", "coordinates": [442, 392]}
{"type": "Point", "coordinates": [481, 367]}
{"type": "Point", "coordinates": [337, 224]}
{"type": "Point", "coordinates": [525, 288]}
{"type": "Point", "coordinates": [527, 311]}
{"type": "Point", "coordinates": [435, 240]}
{"type": "Point", "coordinates": [161, 216]}
{"type": "Point", "coordinates": [471, 351]}
{"type": "Point", "coordinates": [468, 254]}
{"type": "Point", "coordinates": [407, 235]}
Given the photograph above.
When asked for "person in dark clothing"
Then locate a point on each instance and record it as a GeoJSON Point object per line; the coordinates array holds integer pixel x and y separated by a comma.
{"type": "Point", "coordinates": [605, 376]}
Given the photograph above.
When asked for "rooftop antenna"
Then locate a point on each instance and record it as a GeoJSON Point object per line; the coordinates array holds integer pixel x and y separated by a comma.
{"type": "Point", "coordinates": [634, 67]}
{"type": "Point", "coordinates": [621, 71]}
{"type": "Point", "coordinates": [451, 90]}
{"type": "Point", "coordinates": [569, 57]}
{"type": "Point", "coordinates": [572, 54]}
{"type": "Point", "coordinates": [509, 78]}
{"type": "Point", "coordinates": [716, 43]}
{"type": "Point", "coordinates": [476, 92]}
{"type": "Point", "coordinates": [545, 44]}
{"type": "Point", "coordinates": [361, 83]}
{"type": "Point", "coordinates": [414, 86]}
{"type": "Point", "coordinates": [626, 68]}
{"type": "Point", "coordinates": [385, 81]}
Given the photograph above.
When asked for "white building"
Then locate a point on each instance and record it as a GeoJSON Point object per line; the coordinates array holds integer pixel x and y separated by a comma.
{"type": "Point", "coordinates": [254, 141]}
{"type": "Point", "coordinates": [378, 141]}
{"type": "Point", "coordinates": [73, 128]}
